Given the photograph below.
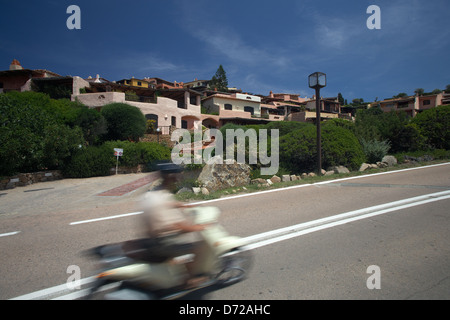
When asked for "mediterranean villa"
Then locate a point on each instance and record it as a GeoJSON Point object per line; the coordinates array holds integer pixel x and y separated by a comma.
{"type": "Point", "coordinates": [194, 104]}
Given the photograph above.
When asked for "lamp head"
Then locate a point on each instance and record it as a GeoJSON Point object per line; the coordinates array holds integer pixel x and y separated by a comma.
{"type": "Point", "coordinates": [317, 80]}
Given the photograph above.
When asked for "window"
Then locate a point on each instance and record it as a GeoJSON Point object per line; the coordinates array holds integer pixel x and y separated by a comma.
{"type": "Point", "coordinates": [249, 109]}
{"type": "Point", "coordinates": [426, 102]}
{"type": "Point", "coordinates": [228, 106]}
{"type": "Point", "coordinates": [174, 121]}
{"type": "Point", "coordinates": [139, 83]}
{"type": "Point", "coordinates": [154, 117]}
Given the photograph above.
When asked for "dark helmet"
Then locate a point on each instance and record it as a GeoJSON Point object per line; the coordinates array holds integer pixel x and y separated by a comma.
{"type": "Point", "coordinates": [169, 167]}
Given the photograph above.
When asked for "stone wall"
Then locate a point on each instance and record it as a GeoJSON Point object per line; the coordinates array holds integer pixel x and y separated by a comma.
{"type": "Point", "coordinates": [25, 179]}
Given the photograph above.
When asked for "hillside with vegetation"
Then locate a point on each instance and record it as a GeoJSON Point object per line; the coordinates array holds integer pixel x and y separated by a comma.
{"type": "Point", "coordinates": [39, 133]}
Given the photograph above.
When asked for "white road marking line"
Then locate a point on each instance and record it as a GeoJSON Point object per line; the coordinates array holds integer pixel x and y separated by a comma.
{"type": "Point", "coordinates": [51, 291]}
{"type": "Point", "coordinates": [9, 234]}
{"type": "Point", "coordinates": [106, 218]}
{"type": "Point", "coordinates": [267, 191]}
{"type": "Point", "coordinates": [270, 237]}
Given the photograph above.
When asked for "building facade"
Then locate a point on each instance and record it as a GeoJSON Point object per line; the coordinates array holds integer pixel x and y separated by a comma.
{"type": "Point", "coordinates": [168, 108]}
{"type": "Point", "coordinates": [413, 105]}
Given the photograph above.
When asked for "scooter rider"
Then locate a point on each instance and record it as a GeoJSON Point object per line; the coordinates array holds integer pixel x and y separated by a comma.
{"type": "Point", "coordinates": [166, 225]}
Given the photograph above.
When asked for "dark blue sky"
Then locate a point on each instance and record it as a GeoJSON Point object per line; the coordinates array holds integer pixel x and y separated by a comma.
{"type": "Point", "coordinates": [263, 45]}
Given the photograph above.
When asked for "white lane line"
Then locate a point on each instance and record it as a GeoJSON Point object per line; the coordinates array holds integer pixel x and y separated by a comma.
{"type": "Point", "coordinates": [267, 191]}
{"type": "Point", "coordinates": [44, 293]}
{"type": "Point", "coordinates": [106, 218]}
{"type": "Point", "coordinates": [9, 234]}
{"type": "Point", "coordinates": [270, 237]}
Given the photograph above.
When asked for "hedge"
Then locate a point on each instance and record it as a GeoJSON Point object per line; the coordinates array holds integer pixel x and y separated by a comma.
{"type": "Point", "coordinates": [88, 162]}
{"type": "Point", "coordinates": [298, 149]}
{"type": "Point", "coordinates": [135, 153]}
{"type": "Point", "coordinates": [97, 161]}
{"type": "Point", "coordinates": [125, 122]}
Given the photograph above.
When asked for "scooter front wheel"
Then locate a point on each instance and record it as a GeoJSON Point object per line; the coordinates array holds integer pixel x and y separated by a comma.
{"type": "Point", "coordinates": [234, 267]}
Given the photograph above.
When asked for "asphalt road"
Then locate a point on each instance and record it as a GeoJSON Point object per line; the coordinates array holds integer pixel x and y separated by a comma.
{"type": "Point", "coordinates": [409, 243]}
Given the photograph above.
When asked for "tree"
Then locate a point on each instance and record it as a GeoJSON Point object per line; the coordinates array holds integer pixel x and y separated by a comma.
{"type": "Point", "coordinates": [357, 102]}
{"type": "Point", "coordinates": [125, 122]}
{"type": "Point", "coordinates": [341, 99]}
{"type": "Point", "coordinates": [75, 114]}
{"type": "Point", "coordinates": [400, 95]}
{"type": "Point", "coordinates": [434, 125]}
{"type": "Point", "coordinates": [92, 123]}
{"type": "Point", "coordinates": [219, 80]}
{"type": "Point", "coordinates": [392, 127]}
{"type": "Point", "coordinates": [436, 91]}
{"type": "Point", "coordinates": [32, 137]}
{"type": "Point", "coordinates": [419, 91]}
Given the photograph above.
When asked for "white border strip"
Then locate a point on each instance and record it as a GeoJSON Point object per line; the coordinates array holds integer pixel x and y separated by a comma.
{"type": "Point", "coordinates": [106, 218]}
{"type": "Point", "coordinates": [9, 234]}
{"type": "Point", "coordinates": [266, 238]}
{"type": "Point", "coordinates": [41, 294]}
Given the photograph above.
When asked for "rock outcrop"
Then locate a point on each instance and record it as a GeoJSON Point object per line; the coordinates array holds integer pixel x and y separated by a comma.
{"type": "Point", "coordinates": [219, 174]}
{"type": "Point", "coordinates": [390, 160]}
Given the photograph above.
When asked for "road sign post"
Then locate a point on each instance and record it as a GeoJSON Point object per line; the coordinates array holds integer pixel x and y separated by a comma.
{"type": "Point", "coordinates": [118, 153]}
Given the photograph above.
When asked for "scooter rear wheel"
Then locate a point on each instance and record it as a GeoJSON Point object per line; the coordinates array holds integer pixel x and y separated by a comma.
{"type": "Point", "coordinates": [234, 267]}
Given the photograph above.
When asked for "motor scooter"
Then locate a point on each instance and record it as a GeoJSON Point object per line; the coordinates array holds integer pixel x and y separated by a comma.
{"type": "Point", "coordinates": [135, 274]}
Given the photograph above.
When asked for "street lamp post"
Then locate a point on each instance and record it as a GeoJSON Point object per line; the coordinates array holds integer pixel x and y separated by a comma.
{"type": "Point", "coordinates": [158, 130]}
{"type": "Point", "coordinates": [316, 81]}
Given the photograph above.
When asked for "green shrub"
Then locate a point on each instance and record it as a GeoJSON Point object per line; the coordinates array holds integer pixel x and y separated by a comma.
{"type": "Point", "coordinates": [131, 156]}
{"type": "Point", "coordinates": [434, 124]}
{"type": "Point", "coordinates": [341, 147]}
{"type": "Point", "coordinates": [375, 150]}
{"type": "Point", "coordinates": [285, 127]}
{"type": "Point", "coordinates": [152, 151]}
{"type": "Point", "coordinates": [125, 122]}
{"type": "Point", "coordinates": [94, 161]}
{"type": "Point", "coordinates": [298, 150]}
{"type": "Point", "coordinates": [135, 153]}
{"type": "Point", "coordinates": [436, 154]}
{"type": "Point", "coordinates": [374, 124]}
{"type": "Point", "coordinates": [90, 161]}
{"type": "Point", "coordinates": [32, 136]}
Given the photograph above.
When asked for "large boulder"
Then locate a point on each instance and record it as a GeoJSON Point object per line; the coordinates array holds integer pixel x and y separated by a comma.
{"type": "Point", "coordinates": [364, 167]}
{"type": "Point", "coordinates": [339, 169]}
{"type": "Point", "coordinates": [275, 179]}
{"type": "Point", "coordinates": [389, 160]}
{"type": "Point", "coordinates": [218, 174]}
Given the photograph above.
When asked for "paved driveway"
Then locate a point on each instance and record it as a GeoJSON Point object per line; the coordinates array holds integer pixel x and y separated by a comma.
{"type": "Point", "coordinates": [73, 194]}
